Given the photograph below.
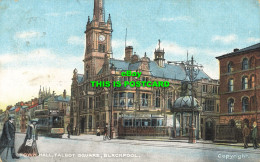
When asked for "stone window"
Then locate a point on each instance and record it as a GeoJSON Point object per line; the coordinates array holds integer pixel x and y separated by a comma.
{"type": "Point", "coordinates": [230, 85]}
{"type": "Point", "coordinates": [204, 88]}
{"type": "Point", "coordinates": [231, 105]}
{"type": "Point", "coordinates": [145, 99]}
{"type": "Point", "coordinates": [245, 105]}
{"type": "Point", "coordinates": [122, 98]}
{"type": "Point", "coordinates": [245, 64]}
{"type": "Point", "coordinates": [101, 48]}
{"type": "Point", "coordinates": [252, 81]}
{"type": "Point", "coordinates": [157, 98]}
{"type": "Point", "coordinates": [170, 100]}
{"type": "Point", "coordinates": [116, 96]}
{"type": "Point", "coordinates": [209, 105]}
{"type": "Point", "coordinates": [90, 102]}
{"type": "Point", "coordinates": [130, 99]}
{"type": "Point", "coordinates": [245, 82]}
{"type": "Point", "coordinates": [230, 67]}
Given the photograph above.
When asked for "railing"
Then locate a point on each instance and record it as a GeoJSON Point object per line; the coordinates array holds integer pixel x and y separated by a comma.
{"type": "Point", "coordinates": [225, 133]}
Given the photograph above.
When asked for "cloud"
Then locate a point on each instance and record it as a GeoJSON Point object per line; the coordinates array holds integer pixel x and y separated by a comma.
{"type": "Point", "coordinates": [33, 56]}
{"type": "Point", "coordinates": [225, 39]}
{"type": "Point", "coordinates": [72, 13]}
{"type": "Point", "coordinates": [27, 34]}
{"type": "Point", "coordinates": [253, 40]}
{"type": "Point", "coordinates": [76, 40]}
{"type": "Point", "coordinates": [68, 13]}
{"type": "Point", "coordinates": [180, 18]}
{"type": "Point", "coordinates": [204, 56]}
{"type": "Point", "coordinates": [23, 73]}
{"type": "Point", "coordinates": [118, 43]}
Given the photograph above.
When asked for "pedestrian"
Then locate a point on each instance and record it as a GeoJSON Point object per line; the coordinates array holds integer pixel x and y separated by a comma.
{"type": "Point", "coordinates": [254, 135]}
{"type": "Point", "coordinates": [69, 130]}
{"type": "Point", "coordinates": [98, 131]}
{"type": "Point", "coordinates": [246, 132]}
{"type": "Point", "coordinates": [8, 137]}
{"type": "Point", "coordinates": [105, 131]}
{"type": "Point", "coordinates": [29, 146]}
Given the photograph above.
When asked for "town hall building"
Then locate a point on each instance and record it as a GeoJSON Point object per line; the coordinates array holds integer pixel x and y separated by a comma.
{"type": "Point", "coordinates": [126, 111]}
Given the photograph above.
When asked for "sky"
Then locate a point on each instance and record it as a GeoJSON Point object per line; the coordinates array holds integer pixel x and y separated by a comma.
{"type": "Point", "coordinates": [42, 42]}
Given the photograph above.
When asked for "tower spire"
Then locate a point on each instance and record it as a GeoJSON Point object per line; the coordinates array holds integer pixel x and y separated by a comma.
{"type": "Point", "coordinates": [98, 14]}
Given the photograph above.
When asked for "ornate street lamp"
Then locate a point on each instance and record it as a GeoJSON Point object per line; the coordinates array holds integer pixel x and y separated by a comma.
{"type": "Point", "coordinates": [192, 70]}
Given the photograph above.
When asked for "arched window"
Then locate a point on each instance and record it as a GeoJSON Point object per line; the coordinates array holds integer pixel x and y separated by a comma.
{"type": "Point", "coordinates": [157, 98]}
{"type": "Point", "coordinates": [231, 105]}
{"type": "Point", "coordinates": [245, 82]}
{"type": "Point", "coordinates": [230, 85]}
{"type": "Point", "coordinates": [252, 62]}
{"type": "Point", "coordinates": [230, 67]}
{"type": "Point", "coordinates": [252, 81]}
{"type": "Point", "coordinates": [245, 105]}
{"type": "Point", "coordinates": [245, 64]}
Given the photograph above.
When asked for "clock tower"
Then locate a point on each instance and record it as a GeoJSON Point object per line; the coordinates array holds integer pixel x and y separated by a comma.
{"type": "Point", "coordinates": [98, 41]}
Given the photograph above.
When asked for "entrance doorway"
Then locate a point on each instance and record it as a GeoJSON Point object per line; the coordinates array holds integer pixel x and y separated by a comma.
{"type": "Point", "coordinates": [209, 130]}
{"type": "Point", "coordinates": [82, 124]}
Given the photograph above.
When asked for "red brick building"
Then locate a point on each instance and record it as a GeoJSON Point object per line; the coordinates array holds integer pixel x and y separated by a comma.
{"type": "Point", "coordinates": [240, 87]}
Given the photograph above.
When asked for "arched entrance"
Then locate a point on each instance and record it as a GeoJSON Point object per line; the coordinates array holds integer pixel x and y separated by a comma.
{"type": "Point", "coordinates": [209, 130]}
{"type": "Point", "coordinates": [82, 124]}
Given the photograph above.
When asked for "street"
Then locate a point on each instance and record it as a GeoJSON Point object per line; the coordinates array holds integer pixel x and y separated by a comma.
{"type": "Point", "coordinates": [93, 148]}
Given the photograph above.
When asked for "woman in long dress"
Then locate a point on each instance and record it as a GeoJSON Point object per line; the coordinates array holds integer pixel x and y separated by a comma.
{"type": "Point", "coordinates": [29, 146]}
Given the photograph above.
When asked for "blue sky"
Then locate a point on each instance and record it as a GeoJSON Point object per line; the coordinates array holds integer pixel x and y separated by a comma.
{"type": "Point", "coordinates": [41, 42]}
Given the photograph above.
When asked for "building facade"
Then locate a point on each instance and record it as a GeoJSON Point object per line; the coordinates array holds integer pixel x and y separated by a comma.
{"type": "Point", "coordinates": [207, 93]}
{"type": "Point", "coordinates": [126, 110]}
{"type": "Point", "coordinates": [240, 88]}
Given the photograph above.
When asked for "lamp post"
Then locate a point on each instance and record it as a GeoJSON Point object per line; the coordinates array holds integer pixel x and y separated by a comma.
{"type": "Point", "coordinates": [112, 68]}
{"type": "Point", "coordinates": [191, 70]}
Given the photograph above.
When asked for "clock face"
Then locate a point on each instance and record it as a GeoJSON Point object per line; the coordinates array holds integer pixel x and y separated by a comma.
{"type": "Point", "coordinates": [101, 38]}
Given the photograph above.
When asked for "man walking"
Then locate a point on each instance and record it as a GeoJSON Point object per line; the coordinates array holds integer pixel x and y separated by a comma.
{"type": "Point", "coordinates": [246, 132]}
{"type": "Point", "coordinates": [8, 137]}
{"type": "Point", "coordinates": [254, 135]}
{"type": "Point", "coordinates": [69, 130]}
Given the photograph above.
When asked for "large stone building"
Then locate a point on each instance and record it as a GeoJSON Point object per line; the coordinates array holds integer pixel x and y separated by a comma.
{"type": "Point", "coordinates": [240, 88]}
{"type": "Point", "coordinates": [126, 110]}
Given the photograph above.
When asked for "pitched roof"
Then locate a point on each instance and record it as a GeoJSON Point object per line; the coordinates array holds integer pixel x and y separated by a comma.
{"type": "Point", "coordinates": [169, 71]}
{"type": "Point", "coordinates": [60, 98]}
{"type": "Point", "coordinates": [241, 51]}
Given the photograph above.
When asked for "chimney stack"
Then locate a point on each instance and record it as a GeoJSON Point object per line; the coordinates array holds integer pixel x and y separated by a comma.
{"type": "Point", "coordinates": [128, 53]}
{"type": "Point", "coordinates": [236, 49]}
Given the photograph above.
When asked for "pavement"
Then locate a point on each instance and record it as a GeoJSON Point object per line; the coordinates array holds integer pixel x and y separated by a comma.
{"type": "Point", "coordinates": [177, 143]}
{"type": "Point", "coordinates": [94, 148]}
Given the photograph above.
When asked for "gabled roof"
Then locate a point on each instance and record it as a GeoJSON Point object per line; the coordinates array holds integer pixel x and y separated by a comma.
{"type": "Point", "coordinates": [241, 51]}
